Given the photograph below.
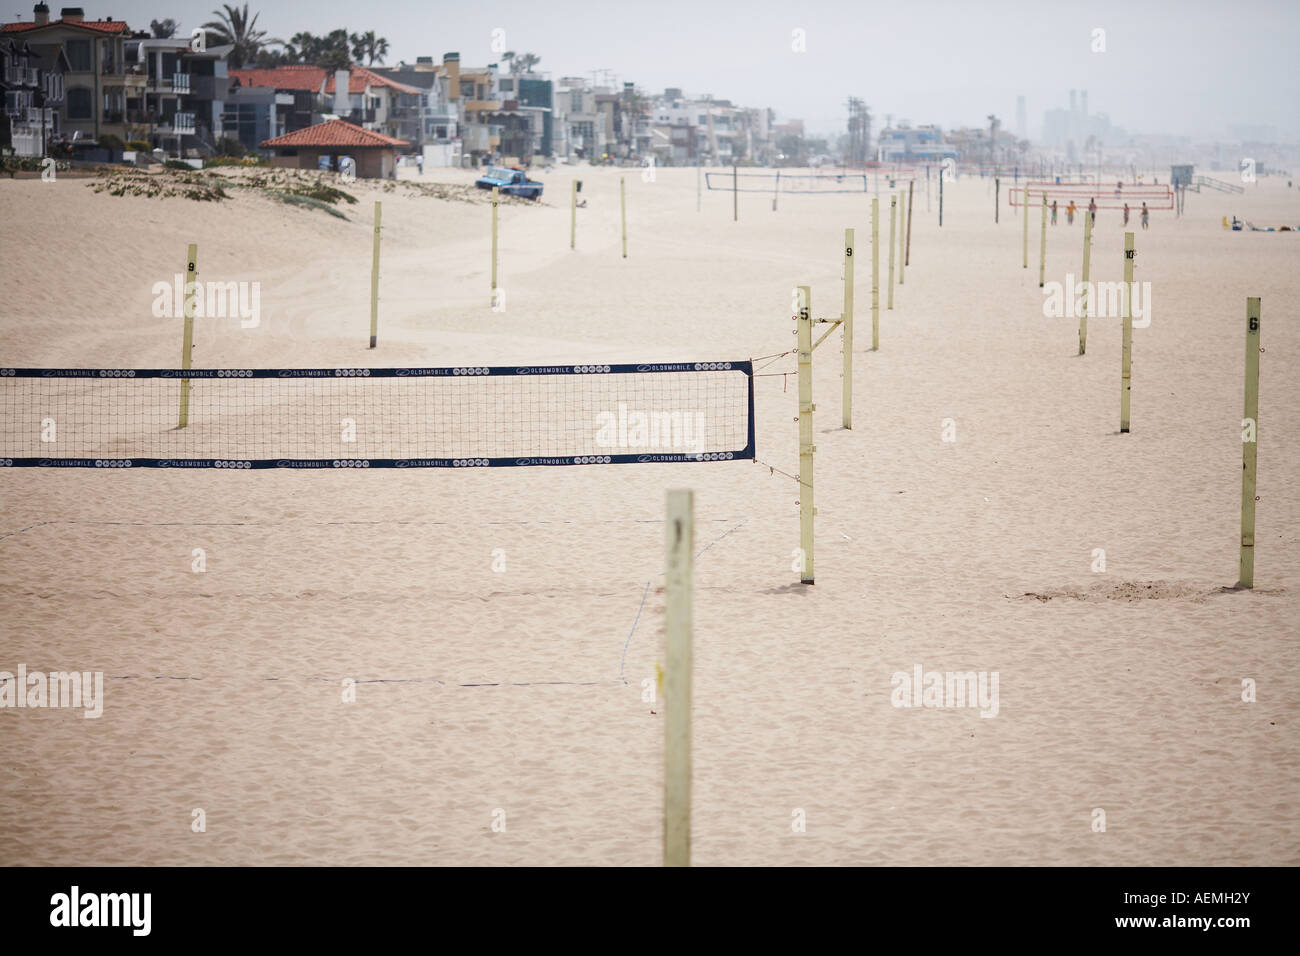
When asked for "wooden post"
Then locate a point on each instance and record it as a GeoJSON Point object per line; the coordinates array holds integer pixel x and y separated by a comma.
{"type": "Point", "coordinates": [997, 193]}
{"type": "Point", "coordinates": [893, 203]}
{"type": "Point", "coordinates": [902, 237]}
{"type": "Point", "coordinates": [573, 214]}
{"type": "Point", "coordinates": [875, 274]}
{"type": "Point", "coordinates": [374, 278]}
{"type": "Point", "coordinates": [496, 199]}
{"type": "Point", "coordinates": [699, 185]}
{"type": "Point", "coordinates": [188, 292]}
{"type": "Point", "coordinates": [1026, 225]}
{"type": "Point", "coordinates": [1250, 445]}
{"type": "Point", "coordinates": [678, 573]}
{"type": "Point", "coordinates": [806, 446]}
{"type": "Point", "coordinates": [848, 329]}
{"type": "Point", "coordinates": [941, 199]}
{"type": "Point", "coordinates": [1087, 269]}
{"type": "Point", "coordinates": [1042, 245]}
{"type": "Point", "coordinates": [735, 196]}
{"type": "Point", "coordinates": [777, 190]}
{"type": "Point", "coordinates": [1126, 353]}
{"type": "Point", "coordinates": [622, 202]}
{"type": "Point", "coordinates": [907, 257]}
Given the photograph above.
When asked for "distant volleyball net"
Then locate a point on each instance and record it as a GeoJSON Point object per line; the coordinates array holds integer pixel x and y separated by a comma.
{"type": "Point", "coordinates": [1107, 195]}
{"type": "Point", "coordinates": [477, 416]}
{"type": "Point", "coordinates": [815, 184]}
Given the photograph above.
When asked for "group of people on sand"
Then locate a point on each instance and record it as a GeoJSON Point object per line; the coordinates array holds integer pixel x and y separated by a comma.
{"type": "Point", "coordinates": [1092, 211]}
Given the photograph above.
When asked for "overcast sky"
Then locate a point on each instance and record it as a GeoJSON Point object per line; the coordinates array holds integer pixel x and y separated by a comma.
{"type": "Point", "coordinates": [1192, 67]}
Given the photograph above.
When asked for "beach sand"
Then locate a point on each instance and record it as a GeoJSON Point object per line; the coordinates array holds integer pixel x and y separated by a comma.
{"type": "Point", "coordinates": [517, 694]}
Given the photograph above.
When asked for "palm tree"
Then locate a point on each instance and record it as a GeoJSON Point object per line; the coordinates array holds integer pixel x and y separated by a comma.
{"type": "Point", "coordinates": [524, 63]}
{"type": "Point", "coordinates": [234, 26]}
{"type": "Point", "coordinates": [509, 57]}
{"type": "Point", "coordinates": [368, 46]}
{"type": "Point", "coordinates": [163, 29]}
{"type": "Point", "coordinates": [994, 123]}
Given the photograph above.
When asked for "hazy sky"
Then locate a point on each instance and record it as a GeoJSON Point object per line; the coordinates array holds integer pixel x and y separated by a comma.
{"type": "Point", "coordinates": [1188, 67]}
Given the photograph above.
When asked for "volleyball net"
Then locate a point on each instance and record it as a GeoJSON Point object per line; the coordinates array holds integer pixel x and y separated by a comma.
{"type": "Point", "coordinates": [1107, 195]}
{"type": "Point", "coordinates": [819, 184]}
{"type": "Point", "coordinates": [477, 416]}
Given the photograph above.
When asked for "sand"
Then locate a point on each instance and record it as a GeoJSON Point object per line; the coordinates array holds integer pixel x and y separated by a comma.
{"type": "Point", "coordinates": [517, 694]}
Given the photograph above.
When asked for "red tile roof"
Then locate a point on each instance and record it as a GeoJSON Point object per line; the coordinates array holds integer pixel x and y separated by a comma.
{"type": "Point", "coordinates": [100, 26]}
{"type": "Point", "coordinates": [303, 77]}
{"type": "Point", "coordinates": [360, 77]}
{"type": "Point", "coordinates": [334, 134]}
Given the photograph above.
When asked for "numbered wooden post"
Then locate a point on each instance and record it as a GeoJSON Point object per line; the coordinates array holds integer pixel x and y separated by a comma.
{"type": "Point", "coordinates": [907, 257]}
{"type": "Point", "coordinates": [573, 214]}
{"type": "Point", "coordinates": [622, 203]}
{"type": "Point", "coordinates": [997, 194]}
{"type": "Point", "coordinates": [806, 446]}
{"type": "Point", "coordinates": [496, 201]}
{"type": "Point", "coordinates": [1249, 445]}
{"type": "Point", "coordinates": [1042, 245]}
{"type": "Point", "coordinates": [1126, 353]}
{"type": "Point", "coordinates": [848, 329]}
{"type": "Point", "coordinates": [1087, 270]}
{"type": "Point", "coordinates": [875, 274]}
{"type": "Point", "coordinates": [893, 203]}
{"type": "Point", "coordinates": [374, 278]}
{"type": "Point", "coordinates": [735, 196]}
{"type": "Point", "coordinates": [678, 664]}
{"type": "Point", "coordinates": [1026, 226]}
{"type": "Point", "coordinates": [189, 291]}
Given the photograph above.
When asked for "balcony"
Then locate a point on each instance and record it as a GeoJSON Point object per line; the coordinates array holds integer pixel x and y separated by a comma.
{"type": "Point", "coordinates": [179, 124]}
{"type": "Point", "coordinates": [131, 80]}
{"type": "Point", "coordinates": [127, 117]}
{"type": "Point", "coordinates": [31, 116]}
{"type": "Point", "coordinates": [16, 75]}
{"type": "Point", "coordinates": [177, 84]}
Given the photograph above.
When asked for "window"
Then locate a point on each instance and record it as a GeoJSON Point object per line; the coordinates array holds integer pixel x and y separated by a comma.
{"type": "Point", "coordinates": [576, 104]}
{"type": "Point", "coordinates": [80, 104]}
{"type": "Point", "coordinates": [78, 55]}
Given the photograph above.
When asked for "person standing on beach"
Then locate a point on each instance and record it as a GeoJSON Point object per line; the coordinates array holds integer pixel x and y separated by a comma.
{"type": "Point", "coordinates": [1053, 212]}
{"type": "Point", "coordinates": [1126, 214]}
{"type": "Point", "coordinates": [1069, 213]}
{"type": "Point", "coordinates": [1146, 215]}
{"type": "Point", "coordinates": [1092, 209]}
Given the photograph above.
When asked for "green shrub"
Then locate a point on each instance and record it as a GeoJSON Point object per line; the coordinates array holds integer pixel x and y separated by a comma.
{"type": "Point", "coordinates": [235, 161]}
{"type": "Point", "coordinates": [229, 146]}
{"type": "Point", "coordinates": [177, 164]}
{"type": "Point", "coordinates": [109, 141]}
{"type": "Point", "coordinates": [139, 145]}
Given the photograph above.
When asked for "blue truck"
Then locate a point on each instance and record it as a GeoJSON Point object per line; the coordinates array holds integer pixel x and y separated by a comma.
{"type": "Point", "coordinates": [512, 182]}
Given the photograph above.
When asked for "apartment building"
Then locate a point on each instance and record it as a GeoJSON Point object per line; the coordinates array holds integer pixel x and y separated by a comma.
{"type": "Point", "coordinates": [184, 100]}
{"type": "Point", "coordinates": [99, 78]}
{"type": "Point", "coordinates": [31, 79]}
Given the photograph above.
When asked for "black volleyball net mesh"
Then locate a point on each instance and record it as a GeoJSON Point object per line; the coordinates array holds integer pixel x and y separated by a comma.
{"type": "Point", "coordinates": [398, 417]}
